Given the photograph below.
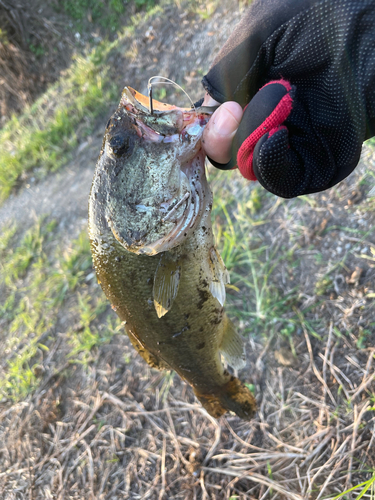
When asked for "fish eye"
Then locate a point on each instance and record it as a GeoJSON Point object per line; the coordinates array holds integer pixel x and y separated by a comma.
{"type": "Point", "coordinates": [120, 143]}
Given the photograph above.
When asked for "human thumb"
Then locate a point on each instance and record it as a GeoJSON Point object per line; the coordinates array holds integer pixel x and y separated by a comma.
{"type": "Point", "coordinates": [220, 130]}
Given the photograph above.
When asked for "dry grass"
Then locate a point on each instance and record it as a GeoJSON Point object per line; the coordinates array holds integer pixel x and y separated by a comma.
{"type": "Point", "coordinates": [107, 433]}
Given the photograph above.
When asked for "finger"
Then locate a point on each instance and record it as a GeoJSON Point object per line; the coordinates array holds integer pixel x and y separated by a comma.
{"type": "Point", "coordinates": [220, 130]}
{"type": "Point", "coordinates": [276, 166]}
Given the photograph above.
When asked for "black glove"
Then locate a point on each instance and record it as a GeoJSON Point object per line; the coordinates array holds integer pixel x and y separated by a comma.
{"type": "Point", "coordinates": [303, 132]}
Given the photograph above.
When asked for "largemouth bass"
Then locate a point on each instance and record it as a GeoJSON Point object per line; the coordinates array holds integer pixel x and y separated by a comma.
{"type": "Point", "coordinates": [152, 245]}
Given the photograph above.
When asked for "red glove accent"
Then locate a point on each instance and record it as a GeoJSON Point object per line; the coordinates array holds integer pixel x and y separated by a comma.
{"type": "Point", "coordinates": [270, 125]}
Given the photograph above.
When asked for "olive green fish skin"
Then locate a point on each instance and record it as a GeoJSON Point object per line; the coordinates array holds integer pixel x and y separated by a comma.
{"type": "Point", "coordinates": [187, 338]}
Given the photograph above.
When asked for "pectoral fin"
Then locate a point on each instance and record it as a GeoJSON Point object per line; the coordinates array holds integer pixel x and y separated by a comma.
{"type": "Point", "coordinates": [219, 275]}
{"type": "Point", "coordinates": [166, 282]}
{"type": "Point", "coordinates": [232, 345]}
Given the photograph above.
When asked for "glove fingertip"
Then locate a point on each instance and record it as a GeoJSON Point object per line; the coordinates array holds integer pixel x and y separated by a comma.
{"type": "Point", "coordinates": [273, 164]}
{"type": "Point", "coordinates": [247, 160]}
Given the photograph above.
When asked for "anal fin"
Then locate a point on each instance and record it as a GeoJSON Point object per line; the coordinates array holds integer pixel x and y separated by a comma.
{"type": "Point", "coordinates": [232, 345]}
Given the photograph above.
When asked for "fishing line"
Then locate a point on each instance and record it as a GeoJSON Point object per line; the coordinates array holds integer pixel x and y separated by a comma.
{"type": "Point", "coordinates": [166, 81]}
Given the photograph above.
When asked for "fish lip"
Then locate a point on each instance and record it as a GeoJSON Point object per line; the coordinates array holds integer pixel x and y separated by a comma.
{"type": "Point", "coordinates": [141, 102]}
{"type": "Point", "coordinates": [166, 120]}
{"type": "Point", "coordinates": [176, 119]}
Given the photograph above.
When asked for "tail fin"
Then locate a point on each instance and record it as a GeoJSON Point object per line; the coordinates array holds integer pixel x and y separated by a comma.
{"type": "Point", "coordinates": [232, 396]}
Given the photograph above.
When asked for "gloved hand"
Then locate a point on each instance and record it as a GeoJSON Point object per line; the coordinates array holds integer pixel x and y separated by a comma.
{"type": "Point", "coordinates": [306, 71]}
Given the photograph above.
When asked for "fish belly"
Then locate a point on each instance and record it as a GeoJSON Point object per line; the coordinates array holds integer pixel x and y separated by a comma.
{"type": "Point", "coordinates": [188, 338]}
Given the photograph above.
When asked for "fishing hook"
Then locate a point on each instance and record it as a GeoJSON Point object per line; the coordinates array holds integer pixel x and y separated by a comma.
{"type": "Point", "coordinates": [149, 88]}
{"type": "Point", "coordinates": [166, 81]}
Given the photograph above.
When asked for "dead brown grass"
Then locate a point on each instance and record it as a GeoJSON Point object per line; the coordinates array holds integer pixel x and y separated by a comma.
{"type": "Point", "coordinates": [108, 432]}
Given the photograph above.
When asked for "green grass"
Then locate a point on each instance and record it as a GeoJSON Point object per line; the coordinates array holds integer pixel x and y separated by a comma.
{"type": "Point", "coordinates": [15, 261]}
{"type": "Point", "coordinates": [44, 135]}
{"type": "Point", "coordinates": [105, 13]}
{"type": "Point", "coordinates": [89, 335]}
{"type": "Point", "coordinates": [8, 231]}
{"type": "Point", "coordinates": [35, 281]}
{"type": "Point", "coordinates": [366, 486]}
{"type": "Point", "coordinates": [205, 9]}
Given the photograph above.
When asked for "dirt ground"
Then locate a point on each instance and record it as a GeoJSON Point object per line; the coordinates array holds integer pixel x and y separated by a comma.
{"type": "Point", "coordinates": [115, 429]}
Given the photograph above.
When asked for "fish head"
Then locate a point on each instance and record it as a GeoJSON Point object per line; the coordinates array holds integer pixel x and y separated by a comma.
{"type": "Point", "coordinates": [152, 169]}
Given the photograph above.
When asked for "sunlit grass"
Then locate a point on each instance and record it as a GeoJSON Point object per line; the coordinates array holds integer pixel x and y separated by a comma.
{"type": "Point", "coordinates": [44, 135]}
{"type": "Point", "coordinates": [106, 13]}
{"type": "Point", "coordinates": [34, 283]}
{"type": "Point", "coordinates": [42, 138]}
{"type": "Point", "coordinates": [89, 335]}
{"type": "Point", "coordinates": [204, 9]}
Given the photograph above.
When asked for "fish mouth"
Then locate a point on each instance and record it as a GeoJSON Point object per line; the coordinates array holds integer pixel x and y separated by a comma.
{"type": "Point", "coordinates": [157, 222]}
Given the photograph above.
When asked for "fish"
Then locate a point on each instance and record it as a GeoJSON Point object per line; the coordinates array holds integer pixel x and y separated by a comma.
{"type": "Point", "coordinates": [153, 249]}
